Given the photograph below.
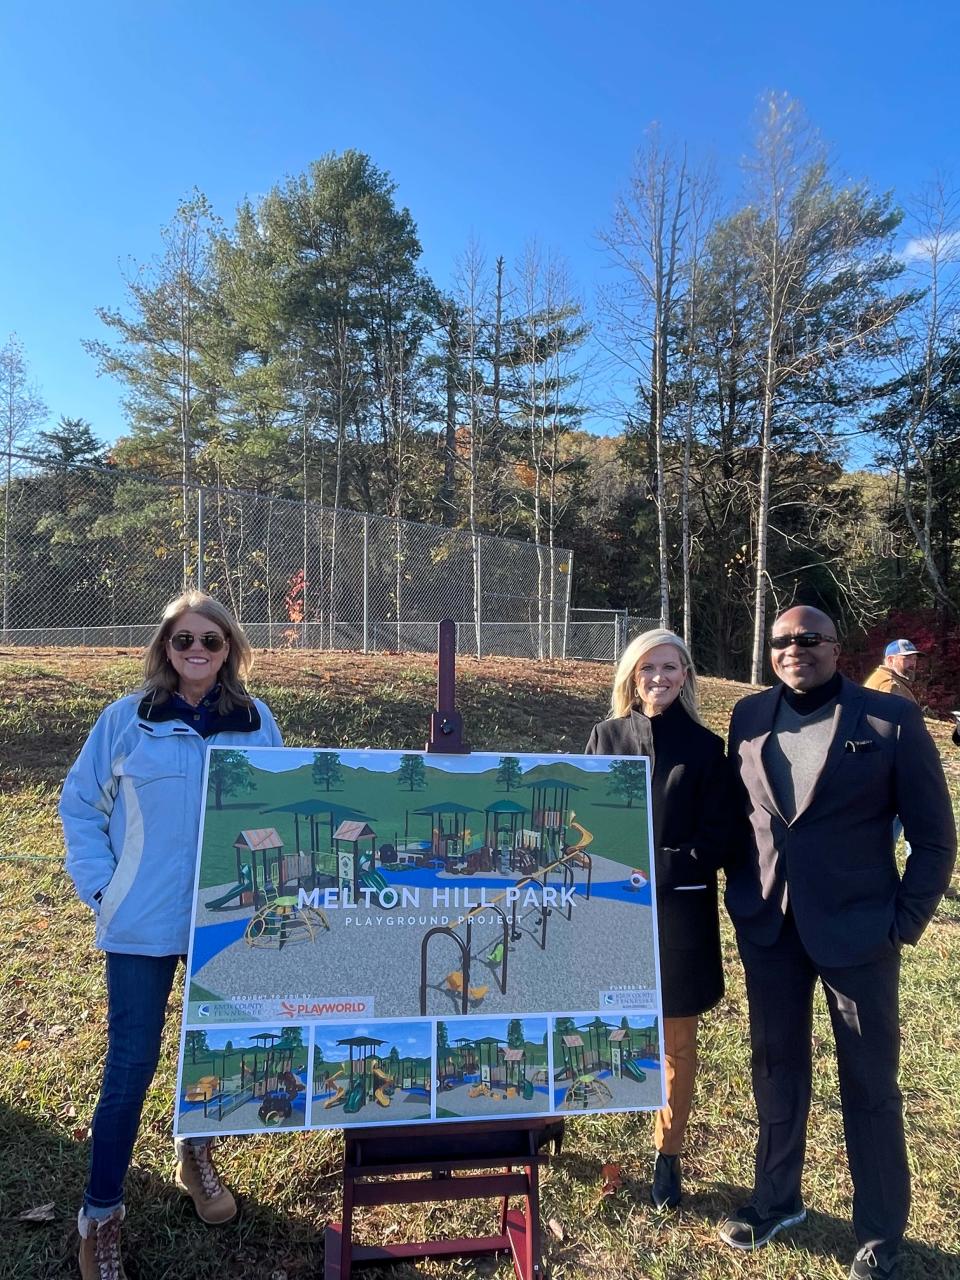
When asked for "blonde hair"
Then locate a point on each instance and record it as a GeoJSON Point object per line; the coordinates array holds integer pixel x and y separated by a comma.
{"type": "Point", "coordinates": [624, 695]}
{"type": "Point", "coordinates": [159, 677]}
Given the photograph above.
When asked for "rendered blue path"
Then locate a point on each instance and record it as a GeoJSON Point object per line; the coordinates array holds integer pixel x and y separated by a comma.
{"type": "Point", "coordinates": [423, 878]}
{"type": "Point", "coordinates": [210, 939]}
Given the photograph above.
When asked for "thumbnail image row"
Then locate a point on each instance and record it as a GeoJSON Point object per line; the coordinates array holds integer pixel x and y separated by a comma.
{"type": "Point", "coordinates": [323, 1075]}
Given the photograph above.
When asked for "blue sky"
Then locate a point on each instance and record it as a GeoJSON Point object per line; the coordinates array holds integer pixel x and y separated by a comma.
{"type": "Point", "coordinates": [534, 1028]}
{"type": "Point", "coordinates": [505, 120]}
{"type": "Point", "coordinates": [287, 759]}
{"type": "Point", "coordinates": [413, 1039]}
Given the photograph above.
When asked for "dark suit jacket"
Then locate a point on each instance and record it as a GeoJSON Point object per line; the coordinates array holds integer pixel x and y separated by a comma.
{"type": "Point", "coordinates": [835, 861]}
{"type": "Point", "coordinates": [692, 808]}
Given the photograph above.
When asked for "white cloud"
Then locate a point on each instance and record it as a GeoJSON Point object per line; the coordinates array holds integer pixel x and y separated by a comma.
{"type": "Point", "coordinates": [922, 247]}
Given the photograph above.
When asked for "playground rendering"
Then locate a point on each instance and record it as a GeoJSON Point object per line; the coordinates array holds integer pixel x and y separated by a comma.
{"type": "Point", "coordinates": [242, 1080]}
{"type": "Point", "coordinates": [374, 1073]}
{"type": "Point", "coordinates": [396, 885]}
{"type": "Point", "coordinates": [606, 1064]}
{"type": "Point", "coordinates": [385, 937]}
{"type": "Point", "coordinates": [492, 1067]}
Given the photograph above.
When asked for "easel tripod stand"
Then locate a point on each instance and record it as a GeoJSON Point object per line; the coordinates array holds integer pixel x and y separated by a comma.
{"type": "Point", "coordinates": [504, 1156]}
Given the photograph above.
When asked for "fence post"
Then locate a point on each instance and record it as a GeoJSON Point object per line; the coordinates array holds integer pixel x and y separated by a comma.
{"type": "Point", "coordinates": [366, 583]}
{"type": "Point", "coordinates": [566, 605]}
{"type": "Point", "coordinates": [478, 596]}
{"type": "Point", "coordinates": [199, 539]}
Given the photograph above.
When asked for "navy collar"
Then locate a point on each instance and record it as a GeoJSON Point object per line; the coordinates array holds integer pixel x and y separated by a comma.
{"type": "Point", "coordinates": [240, 719]}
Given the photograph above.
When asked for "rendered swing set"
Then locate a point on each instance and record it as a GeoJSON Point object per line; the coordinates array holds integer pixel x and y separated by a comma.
{"type": "Point", "coordinates": [510, 931]}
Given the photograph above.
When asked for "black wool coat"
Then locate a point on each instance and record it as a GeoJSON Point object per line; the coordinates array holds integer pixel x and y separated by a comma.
{"type": "Point", "coordinates": [694, 826]}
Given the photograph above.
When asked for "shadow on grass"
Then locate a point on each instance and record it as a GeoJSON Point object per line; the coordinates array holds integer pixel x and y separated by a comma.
{"type": "Point", "coordinates": [706, 1204]}
{"type": "Point", "coordinates": [162, 1236]}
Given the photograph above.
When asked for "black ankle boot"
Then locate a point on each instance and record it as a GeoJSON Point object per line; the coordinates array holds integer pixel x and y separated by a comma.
{"type": "Point", "coordinates": [665, 1191]}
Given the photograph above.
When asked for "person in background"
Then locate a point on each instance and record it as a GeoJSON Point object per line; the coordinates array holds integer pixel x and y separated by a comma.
{"type": "Point", "coordinates": [898, 670]}
{"type": "Point", "coordinates": [131, 817]}
{"type": "Point", "coordinates": [654, 712]}
{"type": "Point", "coordinates": [825, 767]}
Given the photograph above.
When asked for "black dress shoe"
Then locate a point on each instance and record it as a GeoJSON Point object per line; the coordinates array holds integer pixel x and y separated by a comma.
{"type": "Point", "coordinates": [748, 1228]}
{"type": "Point", "coordinates": [665, 1191]}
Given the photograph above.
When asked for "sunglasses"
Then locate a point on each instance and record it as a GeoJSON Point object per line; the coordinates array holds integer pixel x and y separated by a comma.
{"type": "Point", "coordinates": [803, 640]}
{"type": "Point", "coordinates": [182, 640]}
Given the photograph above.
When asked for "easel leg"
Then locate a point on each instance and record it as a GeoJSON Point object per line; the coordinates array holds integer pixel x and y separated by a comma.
{"type": "Point", "coordinates": [504, 1209]}
{"type": "Point", "coordinates": [532, 1207]}
{"type": "Point", "coordinates": [346, 1231]}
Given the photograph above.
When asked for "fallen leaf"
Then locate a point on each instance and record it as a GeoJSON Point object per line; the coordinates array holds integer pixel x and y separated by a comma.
{"type": "Point", "coordinates": [81, 1134]}
{"type": "Point", "coordinates": [42, 923]}
{"type": "Point", "coordinates": [39, 1213]}
{"type": "Point", "coordinates": [612, 1182]}
{"type": "Point", "coordinates": [56, 1031]}
{"type": "Point", "coordinates": [21, 1045]}
{"type": "Point", "coordinates": [556, 1228]}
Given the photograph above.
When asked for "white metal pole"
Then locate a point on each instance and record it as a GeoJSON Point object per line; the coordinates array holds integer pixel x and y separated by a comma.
{"type": "Point", "coordinates": [366, 584]}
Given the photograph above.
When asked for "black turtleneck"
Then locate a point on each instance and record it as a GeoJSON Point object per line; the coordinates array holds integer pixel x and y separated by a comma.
{"type": "Point", "coordinates": [804, 704]}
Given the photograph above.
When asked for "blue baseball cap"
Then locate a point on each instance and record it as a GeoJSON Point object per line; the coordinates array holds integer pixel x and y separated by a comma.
{"type": "Point", "coordinates": [899, 646]}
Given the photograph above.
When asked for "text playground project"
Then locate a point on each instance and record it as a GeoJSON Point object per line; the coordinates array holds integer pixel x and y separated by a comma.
{"type": "Point", "coordinates": [431, 925]}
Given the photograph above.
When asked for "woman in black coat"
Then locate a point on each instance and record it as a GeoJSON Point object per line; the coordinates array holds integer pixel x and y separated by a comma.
{"type": "Point", "coordinates": [654, 713]}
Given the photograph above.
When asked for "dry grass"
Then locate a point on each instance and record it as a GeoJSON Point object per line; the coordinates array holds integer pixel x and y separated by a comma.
{"type": "Point", "coordinates": [53, 1029]}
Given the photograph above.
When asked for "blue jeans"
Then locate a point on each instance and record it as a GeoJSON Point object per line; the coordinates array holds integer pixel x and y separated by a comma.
{"type": "Point", "coordinates": [137, 991]}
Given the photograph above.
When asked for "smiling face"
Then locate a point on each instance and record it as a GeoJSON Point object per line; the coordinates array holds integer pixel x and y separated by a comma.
{"type": "Point", "coordinates": [197, 668]}
{"type": "Point", "coordinates": [658, 678]}
{"type": "Point", "coordinates": [803, 668]}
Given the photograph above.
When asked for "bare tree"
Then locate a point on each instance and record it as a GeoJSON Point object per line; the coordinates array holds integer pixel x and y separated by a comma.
{"type": "Point", "coordinates": [645, 240]}
{"type": "Point", "coordinates": [701, 210]}
{"type": "Point", "coordinates": [813, 248]}
{"type": "Point", "coordinates": [472, 293]}
{"type": "Point", "coordinates": [549, 334]}
{"type": "Point", "coordinates": [928, 367]}
{"type": "Point", "coordinates": [21, 410]}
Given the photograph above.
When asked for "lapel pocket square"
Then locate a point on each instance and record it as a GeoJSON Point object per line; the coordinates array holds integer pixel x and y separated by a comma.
{"type": "Point", "coordinates": [860, 745]}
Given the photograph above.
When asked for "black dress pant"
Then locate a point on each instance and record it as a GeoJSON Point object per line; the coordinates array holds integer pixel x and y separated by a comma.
{"type": "Point", "coordinates": [864, 1009]}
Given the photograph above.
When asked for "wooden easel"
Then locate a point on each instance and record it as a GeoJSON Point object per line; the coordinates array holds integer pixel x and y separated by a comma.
{"type": "Point", "coordinates": [377, 1162]}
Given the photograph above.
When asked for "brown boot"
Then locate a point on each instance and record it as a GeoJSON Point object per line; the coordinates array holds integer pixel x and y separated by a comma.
{"type": "Point", "coordinates": [100, 1246]}
{"type": "Point", "coordinates": [197, 1176]}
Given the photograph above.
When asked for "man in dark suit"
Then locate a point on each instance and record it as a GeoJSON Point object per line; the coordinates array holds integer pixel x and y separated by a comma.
{"type": "Point", "coordinates": [825, 767]}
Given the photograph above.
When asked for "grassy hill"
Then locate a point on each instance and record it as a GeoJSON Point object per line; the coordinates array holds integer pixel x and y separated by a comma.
{"type": "Point", "coordinates": [53, 1027]}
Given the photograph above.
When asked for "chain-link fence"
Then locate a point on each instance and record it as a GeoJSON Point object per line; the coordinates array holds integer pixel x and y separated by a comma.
{"type": "Point", "coordinates": [90, 556]}
{"type": "Point", "coordinates": [601, 635]}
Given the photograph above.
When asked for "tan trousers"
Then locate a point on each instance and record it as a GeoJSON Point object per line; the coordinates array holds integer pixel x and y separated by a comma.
{"type": "Point", "coordinates": [680, 1070]}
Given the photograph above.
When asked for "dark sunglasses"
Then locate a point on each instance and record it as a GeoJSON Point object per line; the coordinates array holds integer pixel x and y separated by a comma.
{"type": "Point", "coordinates": [803, 640]}
{"type": "Point", "coordinates": [184, 639]}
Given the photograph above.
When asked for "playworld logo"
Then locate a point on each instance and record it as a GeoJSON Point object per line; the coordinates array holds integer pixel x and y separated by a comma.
{"type": "Point", "coordinates": [327, 1007]}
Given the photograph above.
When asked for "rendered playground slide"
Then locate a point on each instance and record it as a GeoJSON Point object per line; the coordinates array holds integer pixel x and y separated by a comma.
{"type": "Point", "coordinates": [244, 886]}
{"type": "Point", "coordinates": [340, 1091]}
{"type": "Point", "coordinates": [387, 1087]}
{"type": "Point", "coordinates": [636, 1073]}
{"type": "Point", "coordinates": [373, 880]}
{"type": "Point", "coordinates": [355, 1098]}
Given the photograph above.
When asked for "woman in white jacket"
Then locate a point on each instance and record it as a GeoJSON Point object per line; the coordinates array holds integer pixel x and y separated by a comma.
{"type": "Point", "coordinates": [131, 817]}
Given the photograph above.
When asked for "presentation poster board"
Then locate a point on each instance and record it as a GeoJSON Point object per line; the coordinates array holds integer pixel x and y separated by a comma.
{"type": "Point", "coordinates": [385, 937]}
